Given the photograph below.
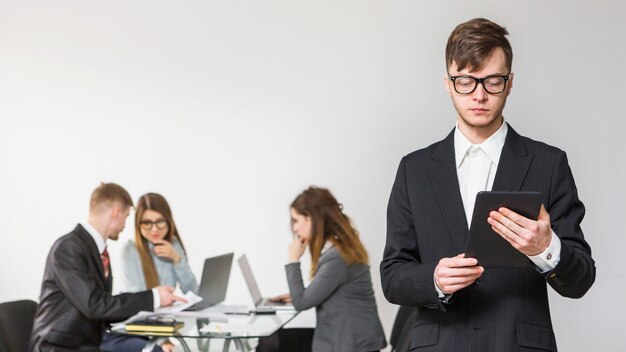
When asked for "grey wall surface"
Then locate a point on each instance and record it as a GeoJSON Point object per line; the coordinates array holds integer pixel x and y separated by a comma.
{"type": "Point", "coordinates": [230, 109]}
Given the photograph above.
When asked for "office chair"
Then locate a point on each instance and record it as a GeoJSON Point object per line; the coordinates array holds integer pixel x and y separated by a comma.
{"type": "Point", "coordinates": [400, 339]}
{"type": "Point", "coordinates": [287, 340]}
{"type": "Point", "coordinates": [16, 324]}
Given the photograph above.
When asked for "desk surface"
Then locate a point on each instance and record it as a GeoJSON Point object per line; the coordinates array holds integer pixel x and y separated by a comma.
{"type": "Point", "coordinates": [223, 326]}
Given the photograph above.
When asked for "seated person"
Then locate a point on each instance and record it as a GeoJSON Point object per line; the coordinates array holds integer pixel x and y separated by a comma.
{"type": "Point", "coordinates": [76, 299]}
{"type": "Point", "coordinates": [341, 287]}
{"type": "Point", "coordinates": [156, 256]}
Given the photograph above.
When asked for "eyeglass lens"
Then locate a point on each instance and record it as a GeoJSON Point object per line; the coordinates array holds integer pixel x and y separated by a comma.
{"type": "Point", "coordinates": [467, 84]}
{"type": "Point", "coordinates": [147, 224]}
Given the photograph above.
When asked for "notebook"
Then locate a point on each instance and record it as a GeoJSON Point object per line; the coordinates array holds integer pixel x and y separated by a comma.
{"type": "Point", "coordinates": [262, 304]}
{"type": "Point", "coordinates": [214, 282]}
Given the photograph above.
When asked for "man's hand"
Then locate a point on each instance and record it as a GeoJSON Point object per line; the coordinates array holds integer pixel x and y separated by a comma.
{"type": "Point", "coordinates": [527, 236]}
{"type": "Point", "coordinates": [166, 294]}
{"type": "Point", "coordinates": [453, 274]}
{"type": "Point", "coordinates": [164, 249]}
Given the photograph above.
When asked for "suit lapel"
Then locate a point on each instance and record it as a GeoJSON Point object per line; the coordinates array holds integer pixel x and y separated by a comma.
{"type": "Point", "coordinates": [513, 164]}
{"type": "Point", "coordinates": [94, 254]}
{"type": "Point", "coordinates": [443, 176]}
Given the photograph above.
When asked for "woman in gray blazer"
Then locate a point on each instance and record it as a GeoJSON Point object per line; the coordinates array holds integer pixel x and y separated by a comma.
{"type": "Point", "coordinates": [341, 287]}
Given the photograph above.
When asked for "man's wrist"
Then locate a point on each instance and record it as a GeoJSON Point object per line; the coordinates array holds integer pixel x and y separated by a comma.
{"type": "Point", "coordinates": [156, 299]}
{"type": "Point", "coordinates": [443, 297]}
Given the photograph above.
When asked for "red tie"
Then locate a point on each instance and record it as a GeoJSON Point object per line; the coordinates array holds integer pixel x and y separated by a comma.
{"type": "Point", "coordinates": [106, 262]}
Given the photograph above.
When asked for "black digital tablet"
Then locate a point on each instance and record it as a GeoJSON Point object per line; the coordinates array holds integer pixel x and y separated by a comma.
{"type": "Point", "coordinates": [486, 245]}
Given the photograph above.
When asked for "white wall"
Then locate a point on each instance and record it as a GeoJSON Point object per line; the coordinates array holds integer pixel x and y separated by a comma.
{"type": "Point", "coordinates": [230, 109]}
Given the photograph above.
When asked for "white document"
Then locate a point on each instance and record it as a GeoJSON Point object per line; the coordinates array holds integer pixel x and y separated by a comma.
{"type": "Point", "coordinates": [191, 298]}
{"type": "Point", "coordinates": [243, 329]}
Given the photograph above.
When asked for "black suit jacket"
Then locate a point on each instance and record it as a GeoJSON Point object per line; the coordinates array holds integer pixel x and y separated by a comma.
{"type": "Point", "coordinates": [76, 298]}
{"type": "Point", "coordinates": [507, 308]}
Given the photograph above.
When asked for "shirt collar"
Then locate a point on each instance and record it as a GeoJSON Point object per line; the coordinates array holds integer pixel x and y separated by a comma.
{"type": "Point", "coordinates": [328, 245]}
{"type": "Point", "coordinates": [492, 146]}
{"type": "Point", "coordinates": [97, 237]}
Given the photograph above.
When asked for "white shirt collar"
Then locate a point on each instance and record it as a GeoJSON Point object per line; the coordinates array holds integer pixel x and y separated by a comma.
{"type": "Point", "coordinates": [492, 146]}
{"type": "Point", "coordinates": [97, 237]}
{"type": "Point", "coordinates": [328, 245]}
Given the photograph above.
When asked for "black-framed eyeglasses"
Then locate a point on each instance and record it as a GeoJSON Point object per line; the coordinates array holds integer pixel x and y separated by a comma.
{"type": "Point", "coordinates": [161, 319]}
{"type": "Point", "coordinates": [147, 224]}
{"type": "Point", "coordinates": [467, 84]}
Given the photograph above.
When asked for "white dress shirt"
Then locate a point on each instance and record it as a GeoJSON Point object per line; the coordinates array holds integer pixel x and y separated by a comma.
{"type": "Point", "coordinates": [99, 239]}
{"type": "Point", "coordinates": [476, 170]}
{"type": "Point", "coordinates": [476, 166]}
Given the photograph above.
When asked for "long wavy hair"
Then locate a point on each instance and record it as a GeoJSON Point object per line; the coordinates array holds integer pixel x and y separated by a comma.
{"type": "Point", "coordinates": [329, 223]}
{"type": "Point", "coordinates": [154, 202]}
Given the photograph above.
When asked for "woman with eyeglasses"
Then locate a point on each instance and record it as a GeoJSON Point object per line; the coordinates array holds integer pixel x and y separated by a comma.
{"type": "Point", "coordinates": [156, 257]}
{"type": "Point", "coordinates": [341, 286]}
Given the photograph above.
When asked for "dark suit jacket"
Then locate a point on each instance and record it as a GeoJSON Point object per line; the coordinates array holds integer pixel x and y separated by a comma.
{"type": "Point", "coordinates": [76, 298]}
{"type": "Point", "coordinates": [507, 308]}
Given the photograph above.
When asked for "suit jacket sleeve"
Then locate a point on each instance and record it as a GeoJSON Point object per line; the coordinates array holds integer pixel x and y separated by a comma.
{"type": "Point", "coordinates": [575, 272]}
{"type": "Point", "coordinates": [406, 280]}
{"type": "Point", "coordinates": [81, 287]}
{"type": "Point", "coordinates": [331, 273]}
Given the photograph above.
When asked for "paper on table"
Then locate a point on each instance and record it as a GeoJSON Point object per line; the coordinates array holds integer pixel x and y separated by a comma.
{"type": "Point", "coordinates": [235, 328]}
{"type": "Point", "coordinates": [191, 298]}
{"type": "Point", "coordinates": [218, 310]}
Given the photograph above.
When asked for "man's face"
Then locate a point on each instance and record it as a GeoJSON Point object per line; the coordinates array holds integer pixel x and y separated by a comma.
{"type": "Point", "coordinates": [119, 214]}
{"type": "Point", "coordinates": [479, 111]}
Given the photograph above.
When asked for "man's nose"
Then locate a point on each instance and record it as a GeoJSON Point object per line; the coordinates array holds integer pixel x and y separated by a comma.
{"type": "Point", "coordinates": [479, 94]}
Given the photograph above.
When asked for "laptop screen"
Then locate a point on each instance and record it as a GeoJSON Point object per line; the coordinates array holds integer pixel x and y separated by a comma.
{"type": "Point", "coordinates": [215, 275]}
{"type": "Point", "coordinates": [250, 281]}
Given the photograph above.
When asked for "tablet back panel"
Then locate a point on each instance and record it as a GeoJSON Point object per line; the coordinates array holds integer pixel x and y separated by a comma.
{"type": "Point", "coordinates": [486, 245]}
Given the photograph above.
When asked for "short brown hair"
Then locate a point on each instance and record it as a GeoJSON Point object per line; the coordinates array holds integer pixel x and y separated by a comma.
{"type": "Point", "coordinates": [109, 193]}
{"type": "Point", "coordinates": [471, 43]}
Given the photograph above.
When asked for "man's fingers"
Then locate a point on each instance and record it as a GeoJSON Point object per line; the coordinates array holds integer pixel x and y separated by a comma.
{"type": "Point", "coordinates": [460, 272]}
{"type": "Point", "coordinates": [460, 280]}
{"type": "Point", "coordinates": [458, 261]}
{"type": "Point", "coordinates": [515, 225]}
{"type": "Point", "coordinates": [508, 230]}
{"type": "Point", "coordinates": [515, 218]}
{"type": "Point", "coordinates": [179, 299]}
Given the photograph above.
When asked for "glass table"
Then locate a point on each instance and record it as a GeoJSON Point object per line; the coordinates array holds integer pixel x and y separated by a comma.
{"type": "Point", "coordinates": [233, 328]}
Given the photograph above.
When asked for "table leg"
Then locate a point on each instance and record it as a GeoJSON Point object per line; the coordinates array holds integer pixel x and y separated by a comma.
{"type": "Point", "coordinates": [183, 343]}
{"type": "Point", "coordinates": [241, 345]}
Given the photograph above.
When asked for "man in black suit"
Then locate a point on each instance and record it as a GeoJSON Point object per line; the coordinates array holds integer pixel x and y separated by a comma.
{"type": "Point", "coordinates": [461, 305]}
{"type": "Point", "coordinates": [76, 298]}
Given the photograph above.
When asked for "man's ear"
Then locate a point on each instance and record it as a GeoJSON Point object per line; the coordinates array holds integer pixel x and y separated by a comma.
{"type": "Point", "coordinates": [115, 213]}
{"type": "Point", "coordinates": [510, 84]}
{"type": "Point", "coordinates": [446, 83]}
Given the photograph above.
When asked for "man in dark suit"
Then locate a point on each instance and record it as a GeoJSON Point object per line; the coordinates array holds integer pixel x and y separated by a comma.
{"type": "Point", "coordinates": [76, 298]}
{"type": "Point", "coordinates": [462, 306]}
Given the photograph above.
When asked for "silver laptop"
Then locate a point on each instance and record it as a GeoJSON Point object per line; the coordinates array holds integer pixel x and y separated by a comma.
{"type": "Point", "coordinates": [214, 282]}
{"type": "Point", "coordinates": [262, 304]}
